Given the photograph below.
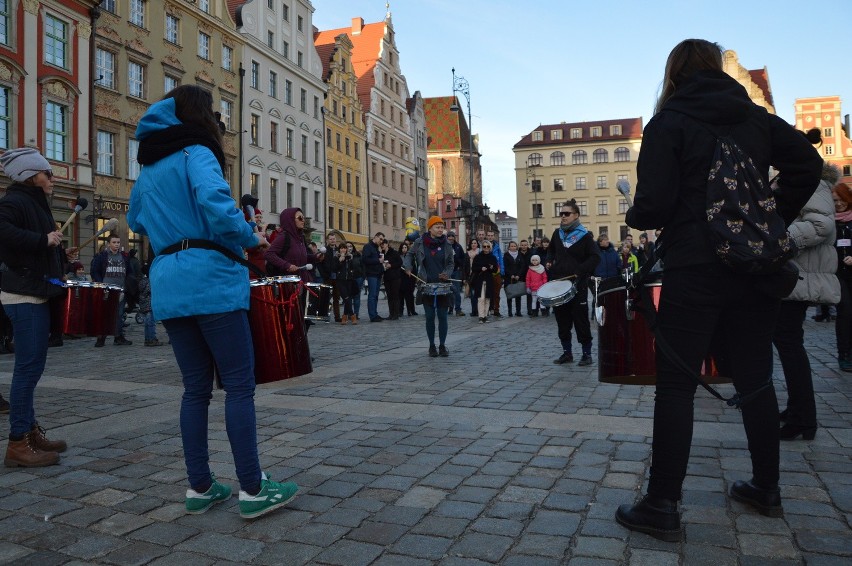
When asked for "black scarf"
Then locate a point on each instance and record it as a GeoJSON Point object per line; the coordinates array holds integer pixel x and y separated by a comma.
{"type": "Point", "coordinates": [165, 142]}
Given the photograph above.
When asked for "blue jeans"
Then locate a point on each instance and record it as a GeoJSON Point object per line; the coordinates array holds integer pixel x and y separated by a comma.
{"type": "Point", "coordinates": [356, 298]}
{"type": "Point", "coordinates": [204, 344]}
{"type": "Point", "coordinates": [150, 326]}
{"type": "Point", "coordinates": [373, 283]}
{"type": "Point", "coordinates": [430, 323]}
{"type": "Point", "coordinates": [457, 295]}
{"type": "Point", "coordinates": [30, 327]}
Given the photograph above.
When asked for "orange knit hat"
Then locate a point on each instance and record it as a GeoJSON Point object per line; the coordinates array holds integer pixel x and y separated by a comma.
{"type": "Point", "coordinates": [434, 220]}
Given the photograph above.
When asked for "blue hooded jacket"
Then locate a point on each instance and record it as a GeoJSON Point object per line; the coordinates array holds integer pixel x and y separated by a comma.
{"type": "Point", "coordinates": [184, 195]}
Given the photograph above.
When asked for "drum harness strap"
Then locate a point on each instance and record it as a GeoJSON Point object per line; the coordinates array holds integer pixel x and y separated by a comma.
{"type": "Point", "coordinates": [645, 305]}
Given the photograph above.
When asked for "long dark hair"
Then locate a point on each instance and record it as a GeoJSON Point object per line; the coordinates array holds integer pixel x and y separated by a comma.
{"type": "Point", "coordinates": [688, 56]}
{"type": "Point", "coordinates": [194, 105]}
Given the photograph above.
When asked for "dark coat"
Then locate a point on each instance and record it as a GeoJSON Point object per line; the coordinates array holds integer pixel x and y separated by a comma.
{"type": "Point", "coordinates": [677, 149]}
{"type": "Point", "coordinates": [580, 259]}
{"type": "Point", "coordinates": [25, 221]}
{"type": "Point", "coordinates": [297, 252]}
{"type": "Point", "coordinates": [394, 272]}
{"type": "Point", "coordinates": [513, 267]}
{"type": "Point", "coordinates": [477, 276]}
{"type": "Point", "coordinates": [370, 260]}
{"type": "Point", "coordinates": [610, 265]}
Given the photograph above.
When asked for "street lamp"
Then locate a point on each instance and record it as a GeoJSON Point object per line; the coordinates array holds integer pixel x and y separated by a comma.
{"type": "Point", "coordinates": [535, 190]}
{"type": "Point", "coordinates": [461, 85]}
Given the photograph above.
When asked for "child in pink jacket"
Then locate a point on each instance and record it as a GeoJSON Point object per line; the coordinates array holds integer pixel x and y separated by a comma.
{"type": "Point", "coordinates": [536, 277]}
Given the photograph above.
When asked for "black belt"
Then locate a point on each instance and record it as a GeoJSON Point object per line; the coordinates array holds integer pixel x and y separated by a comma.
{"type": "Point", "coordinates": [187, 243]}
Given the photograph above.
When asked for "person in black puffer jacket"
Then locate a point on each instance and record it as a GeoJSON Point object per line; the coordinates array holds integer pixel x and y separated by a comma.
{"type": "Point", "coordinates": [702, 302]}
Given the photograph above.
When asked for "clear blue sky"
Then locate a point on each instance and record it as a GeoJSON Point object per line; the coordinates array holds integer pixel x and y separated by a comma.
{"type": "Point", "coordinates": [550, 61]}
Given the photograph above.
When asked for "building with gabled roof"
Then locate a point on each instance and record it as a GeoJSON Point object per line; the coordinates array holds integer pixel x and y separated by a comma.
{"type": "Point", "coordinates": [755, 81]}
{"type": "Point", "coordinates": [383, 92]}
{"type": "Point", "coordinates": [825, 113]}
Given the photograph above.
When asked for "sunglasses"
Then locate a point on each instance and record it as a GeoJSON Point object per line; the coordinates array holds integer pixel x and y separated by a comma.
{"type": "Point", "coordinates": [300, 218]}
{"type": "Point", "coordinates": [566, 213]}
{"type": "Point", "coordinates": [49, 174]}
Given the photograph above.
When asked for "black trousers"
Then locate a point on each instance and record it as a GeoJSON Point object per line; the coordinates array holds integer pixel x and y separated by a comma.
{"type": "Point", "coordinates": [574, 314]}
{"type": "Point", "coordinates": [392, 292]}
{"type": "Point", "coordinates": [843, 323]}
{"type": "Point", "coordinates": [702, 309]}
{"type": "Point", "coordinates": [789, 340]}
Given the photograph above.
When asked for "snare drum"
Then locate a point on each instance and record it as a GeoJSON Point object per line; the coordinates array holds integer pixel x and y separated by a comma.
{"type": "Point", "coordinates": [277, 330]}
{"type": "Point", "coordinates": [626, 353]}
{"type": "Point", "coordinates": [89, 309]}
{"type": "Point", "coordinates": [316, 297]}
{"type": "Point", "coordinates": [556, 293]}
{"type": "Point", "coordinates": [439, 288]}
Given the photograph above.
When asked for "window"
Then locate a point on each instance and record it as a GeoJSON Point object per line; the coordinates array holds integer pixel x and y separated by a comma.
{"type": "Point", "coordinates": [576, 133]}
{"type": "Point", "coordinates": [273, 195]}
{"type": "Point", "coordinates": [384, 213]}
{"type": "Point", "coordinates": [304, 149]}
{"type": "Point", "coordinates": [226, 110]}
{"type": "Point", "coordinates": [393, 215]}
{"type": "Point", "coordinates": [135, 80]}
{"type": "Point", "coordinates": [603, 230]}
{"type": "Point", "coordinates": [108, 5]}
{"type": "Point", "coordinates": [358, 222]}
{"type": "Point", "coordinates": [622, 232]}
{"type": "Point", "coordinates": [536, 210]}
{"type": "Point", "coordinates": [254, 181]}
{"type": "Point", "coordinates": [227, 58]}
{"type": "Point", "coordinates": [303, 101]}
{"type": "Point", "coordinates": [270, 39]}
{"type": "Point", "coordinates": [601, 182]}
{"type": "Point", "coordinates": [328, 137]}
{"type": "Point", "coordinates": [285, 12]}
{"type": "Point", "coordinates": [615, 130]}
{"type": "Point", "coordinates": [535, 185]}
{"type": "Point", "coordinates": [55, 41]}
{"type": "Point", "coordinates": [290, 190]}
{"type": "Point", "coordinates": [557, 158]}
{"type": "Point", "coordinates": [4, 22]}
{"type": "Point", "coordinates": [316, 154]}
{"type": "Point", "coordinates": [285, 49]}
{"type": "Point", "coordinates": [357, 186]}
{"type": "Point", "coordinates": [288, 92]}
{"type": "Point", "coordinates": [622, 206]}
{"type": "Point", "coordinates": [534, 159]}
{"type": "Point", "coordinates": [300, 23]}
{"type": "Point", "coordinates": [603, 207]}
{"type": "Point", "coordinates": [340, 219]}
{"type": "Point", "coordinates": [170, 83]}
{"type": "Point", "coordinates": [316, 106]}
{"type": "Point", "coordinates": [579, 157]}
{"type": "Point", "coordinates": [847, 170]}
{"type": "Point", "coordinates": [105, 68]}
{"type": "Point", "coordinates": [580, 183]}
{"type": "Point", "coordinates": [558, 184]}
{"type": "Point", "coordinates": [557, 208]}
{"type": "Point", "coordinates": [299, 58]}
{"type": "Point", "coordinates": [583, 207]}
{"type": "Point", "coordinates": [330, 177]}
{"type": "Point", "coordinates": [331, 217]}
{"type": "Point", "coordinates": [273, 137]}
{"type": "Point", "coordinates": [337, 140]}
{"type": "Point", "coordinates": [56, 131]}
{"type": "Point", "coordinates": [622, 154]}
{"type": "Point", "coordinates": [556, 134]}
{"type": "Point", "coordinates": [273, 84]}
{"type": "Point", "coordinates": [346, 144]}
{"type": "Point", "coordinates": [349, 221]}
{"type": "Point", "coordinates": [349, 182]}
{"type": "Point", "coordinates": [537, 136]}
{"type": "Point", "coordinates": [132, 165]}
{"type": "Point", "coordinates": [595, 131]}
{"type": "Point", "coordinates": [829, 150]}
{"type": "Point", "coordinates": [106, 153]}
{"type": "Point", "coordinates": [289, 142]}
{"type": "Point", "coordinates": [5, 117]}
{"type": "Point", "coordinates": [600, 155]}
{"type": "Point", "coordinates": [172, 29]}
{"type": "Point", "coordinates": [317, 205]}
{"type": "Point", "coordinates": [255, 75]}
{"type": "Point", "coordinates": [137, 13]}
{"type": "Point", "coordinates": [203, 45]}
{"type": "Point", "coordinates": [204, 6]}
{"type": "Point", "coordinates": [254, 130]}
{"type": "Point", "coordinates": [827, 132]}
{"type": "Point", "coordinates": [357, 150]}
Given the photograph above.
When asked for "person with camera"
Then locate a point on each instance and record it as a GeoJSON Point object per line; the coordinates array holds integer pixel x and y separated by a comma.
{"type": "Point", "coordinates": [345, 276]}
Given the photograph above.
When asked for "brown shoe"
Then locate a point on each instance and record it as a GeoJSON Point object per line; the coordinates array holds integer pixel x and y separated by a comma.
{"type": "Point", "coordinates": [40, 441]}
{"type": "Point", "coordinates": [353, 319]}
{"type": "Point", "coordinates": [345, 319]}
{"type": "Point", "coordinates": [24, 453]}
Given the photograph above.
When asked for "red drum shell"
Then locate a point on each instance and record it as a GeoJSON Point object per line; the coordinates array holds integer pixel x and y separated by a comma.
{"type": "Point", "coordinates": [626, 352]}
{"type": "Point", "coordinates": [278, 332]}
{"type": "Point", "coordinates": [88, 309]}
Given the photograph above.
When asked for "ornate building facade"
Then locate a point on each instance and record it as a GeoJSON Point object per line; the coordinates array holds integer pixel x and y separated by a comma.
{"type": "Point", "coordinates": [824, 112]}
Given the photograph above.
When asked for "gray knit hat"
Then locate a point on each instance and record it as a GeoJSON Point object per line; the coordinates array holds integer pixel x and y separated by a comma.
{"type": "Point", "coordinates": [24, 162]}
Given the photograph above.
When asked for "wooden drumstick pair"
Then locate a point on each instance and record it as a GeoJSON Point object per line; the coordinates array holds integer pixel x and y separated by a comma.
{"type": "Point", "coordinates": [110, 225]}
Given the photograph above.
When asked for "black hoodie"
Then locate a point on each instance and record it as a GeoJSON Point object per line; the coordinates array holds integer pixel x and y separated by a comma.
{"type": "Point", "coordinates": [675, 157]}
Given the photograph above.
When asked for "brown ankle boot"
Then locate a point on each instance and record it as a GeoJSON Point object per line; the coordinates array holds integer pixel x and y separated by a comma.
{"type": "Point", "coordinates": [40, 441]}
{"type": "Point", "coordinates": [345, 319]}
{"type": "Point", "coordinates": [23, 453]}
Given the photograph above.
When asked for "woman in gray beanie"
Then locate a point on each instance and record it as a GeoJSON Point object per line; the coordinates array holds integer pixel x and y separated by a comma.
{"type": "Point", "coordinates": [29, 248]}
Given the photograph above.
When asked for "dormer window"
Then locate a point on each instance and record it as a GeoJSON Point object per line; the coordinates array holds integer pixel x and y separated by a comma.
{"type": "Point", "coordinates": [576, 133]}
{"type": "Point", "coordinates": [537, 136]}
{"type": "Point", "coordinates": [615, 130]}
{"type": "Point", "coordinates": [556, 134]}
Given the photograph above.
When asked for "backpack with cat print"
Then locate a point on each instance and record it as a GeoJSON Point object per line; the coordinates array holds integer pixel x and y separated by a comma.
{"type": "Point", "coordinates": [747, 233]}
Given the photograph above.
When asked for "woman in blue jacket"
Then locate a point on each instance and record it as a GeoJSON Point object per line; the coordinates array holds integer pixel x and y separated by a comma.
{"type": "Point", "coordinates": [610, 262]}
{"type": "Point", "coordinates": [201, 295]}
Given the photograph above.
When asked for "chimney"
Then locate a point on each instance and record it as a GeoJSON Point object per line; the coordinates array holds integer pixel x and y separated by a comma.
{"type": "Point", "coordinates": [357, 25]}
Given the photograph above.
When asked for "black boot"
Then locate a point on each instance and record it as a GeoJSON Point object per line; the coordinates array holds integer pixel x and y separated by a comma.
{"type": "Point", "coordinates": [653, 516]}
{"type": "Point", "coordinates": [767, 501]}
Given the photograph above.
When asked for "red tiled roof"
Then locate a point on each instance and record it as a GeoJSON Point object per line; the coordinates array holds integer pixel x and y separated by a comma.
{"type": "Point", "coordinates": [365, 53]}
{"type": "Point", "coordinates": [631, 128]}
{"type": "Point", "coordinates": [448, 130]}
{"type": "Point", "coordinates": [325, 53]}
{"type": "Point", "coordinates": [232, 8]}
{"type": "Point", "coordinates": [761, 79]}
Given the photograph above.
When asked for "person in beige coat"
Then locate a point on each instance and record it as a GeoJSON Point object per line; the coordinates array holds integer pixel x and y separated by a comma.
{"type": "Point", "coordinates": [814, 233]}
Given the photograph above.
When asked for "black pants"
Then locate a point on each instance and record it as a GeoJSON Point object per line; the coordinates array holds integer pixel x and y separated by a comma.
{"type": "Point", "coordinates": [574, 313]}
{"type": "Point", "coordinates": [392, 292]}
{"type": "Point", "coordinates": [406, 299]}
{"type": "Point", "coordinates": [702, 309]}
{"type": "Point", "coordinates": [789, 340]}
{"type": "Point", "coordinates": [843, 323]}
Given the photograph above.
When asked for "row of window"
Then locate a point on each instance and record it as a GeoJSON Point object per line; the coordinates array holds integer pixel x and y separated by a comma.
{"type": "Point", "coordinates": [602, 208]}
{"type": "Point", "coordinates": [339, 185]}
{"type": "Point", "coordinates": [289, 140]}
{"type": "Point", "coordinates": [56, 33]}
{"type": "Point", "coordinates": [56, 135]}
{"type": "Point", "coordinates": [107, 155]}
{"type": "Point", "coordinates": [285, 14]}
{"type": "Point", "coordinates": [391, 214]}
{"type": "Point", "coordinates": [349, 226]}
{"type": "Point", "coordinates": [577, 133]}
{"type": "Point", "coordinates": [346, 147]}
{"type": "Point", "coordinates": [579, 157]}
{"type": "Point", "coordinates": [380, 139]}
{"type": "Point", "coordinates": [289, 197]}
{"type": "Point", "coordinates": [272, 89]}
{"type": "Point", "coordinates": [374, 170]}
{"type": "Point", "coordinates": [601, 182]}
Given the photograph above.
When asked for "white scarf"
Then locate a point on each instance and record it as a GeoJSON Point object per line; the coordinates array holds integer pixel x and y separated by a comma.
{"type": "Point", "coordinates": [537, 268]}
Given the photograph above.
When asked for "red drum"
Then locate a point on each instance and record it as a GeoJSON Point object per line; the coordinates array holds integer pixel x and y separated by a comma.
{"type": "Point", "coordinates": [278, 330]}
{"type": "Point", "coordinates": [316, 298]}
{"type": "Point", "coordinates": [88, 309]}
{"type": "Point", "coordinates": [626, 353]}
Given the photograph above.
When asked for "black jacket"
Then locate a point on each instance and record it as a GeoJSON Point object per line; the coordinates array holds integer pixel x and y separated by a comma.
{"type": "Point", "coordinates": [477, 276]}
{"type": "Point", "coordinates": [677, 149]}
{"type": "Point", "coordinates": [25, 221]}
{"type": "Point", "coordinates": [514, 267]}
{"type": "Point", "coordinates": [580, 259]}
{"type": "Point", "coordinates": [370, 260]}
{"type": "Point", "coordinates": [394, 272]}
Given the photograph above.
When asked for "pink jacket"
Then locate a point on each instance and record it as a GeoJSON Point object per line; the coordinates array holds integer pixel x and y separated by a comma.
{"type": "Point", "coordinates": [536, 280]}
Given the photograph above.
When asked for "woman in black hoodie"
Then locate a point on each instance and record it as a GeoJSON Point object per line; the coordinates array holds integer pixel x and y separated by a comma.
{"type": "Point", "coordinates": [702, 299]}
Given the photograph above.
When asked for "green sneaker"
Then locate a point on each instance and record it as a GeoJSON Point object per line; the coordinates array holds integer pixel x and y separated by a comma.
{"type": "Point", "coordinates": [271, 496]}
{"type": "Point", "coordinates": [197, 503]}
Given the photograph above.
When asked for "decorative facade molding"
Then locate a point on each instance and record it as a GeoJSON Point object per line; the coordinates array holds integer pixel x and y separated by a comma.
{"type": "Point", "coordinates": [31, 6]}
{"type": "Point", "coordinates": [84, 29]}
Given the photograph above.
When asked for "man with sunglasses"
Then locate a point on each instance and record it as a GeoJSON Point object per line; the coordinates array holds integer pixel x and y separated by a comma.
{"type": "Point", "coordinates": [373, 261]}
{"type": "Point", "coordinates": [573, 253]}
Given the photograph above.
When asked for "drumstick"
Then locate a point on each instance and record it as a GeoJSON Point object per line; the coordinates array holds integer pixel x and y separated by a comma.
{"type": "Point", "coordinates": [111, 224]}
{"type": "Point", "coordinates": [80, 205]}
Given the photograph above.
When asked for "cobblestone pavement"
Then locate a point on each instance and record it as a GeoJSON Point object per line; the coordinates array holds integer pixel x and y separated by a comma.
{"type": "Point", "coordinates": [492, 456]}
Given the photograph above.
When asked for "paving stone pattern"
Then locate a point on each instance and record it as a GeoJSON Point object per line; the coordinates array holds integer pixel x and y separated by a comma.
{"type": "Point", "coordinates": [492, 456]}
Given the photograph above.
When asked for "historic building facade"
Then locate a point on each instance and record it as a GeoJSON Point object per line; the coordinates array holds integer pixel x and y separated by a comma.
{"type": "Point", "coordinates": [345, 140]}
{"type": "Point", "coordinates": [417, 116]}
{"type": "Point", "coordinates": [824, 112]}
{"type": "Point", "coordinates": [45, 95]}
{"type": "Point", "coordinates": [283, 152]}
